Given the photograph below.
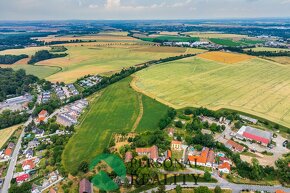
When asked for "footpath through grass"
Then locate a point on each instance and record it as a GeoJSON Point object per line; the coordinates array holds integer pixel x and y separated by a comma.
{"type": "Point", "coordinates": [115, 111]}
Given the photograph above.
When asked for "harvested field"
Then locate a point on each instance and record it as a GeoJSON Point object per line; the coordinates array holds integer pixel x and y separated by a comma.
{"type": "Point", "coordinates": [5, 134]}
{"type": "Point", "coordinates": [29, 51]}
{"type": "Point", "coordinates": [258, 49]}
{"type": "Point", "coordinates": [224, 57]}
{"type": "Point", "coordinates": [254, 86]}
{"type": "Point", "coordinates": [214, 35]}
{"type": "Point", "coordinates": [281, 60]}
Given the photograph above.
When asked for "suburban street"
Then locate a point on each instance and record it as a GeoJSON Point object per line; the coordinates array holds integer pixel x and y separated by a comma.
{"type": "Point", "coordinates": [13, 160]}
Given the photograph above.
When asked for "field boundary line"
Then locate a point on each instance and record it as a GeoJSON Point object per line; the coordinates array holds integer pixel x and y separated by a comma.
{"type": "Point", "coordinates": [141, 112]}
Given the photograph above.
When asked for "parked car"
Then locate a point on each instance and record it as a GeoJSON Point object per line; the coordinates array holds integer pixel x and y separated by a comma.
{"type": "Point", "coordinates": [285, 143]}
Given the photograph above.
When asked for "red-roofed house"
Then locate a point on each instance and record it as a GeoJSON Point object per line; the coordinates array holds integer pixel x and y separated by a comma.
{"type": "Point", "coordinates": [7, 153]}
{"type": "Point", "coordinates": [52, 190]}
{"type": "Point", "coordinates": [22, 178]}
{"type": "Point", "coordinates": [279, 191]}
{"type": "Point", "coordinates": [85, 186]}
{"type": "Point", "coordinates": [28, 164]}
{"type": "Point", "coordinates": [225, 168]}
{"type": "Point", "coordinates": [42, 115]}
{"type": "Point", "coordinates": [234, 146]}
{"type": "Point", "coordinates": [151, 152]}
{"type": "Point", "coordinates": [210, 158]}
{"type": "Point", "coordinates": [176, 145]}
{"type": "Point", "coordinates": [199, 159]}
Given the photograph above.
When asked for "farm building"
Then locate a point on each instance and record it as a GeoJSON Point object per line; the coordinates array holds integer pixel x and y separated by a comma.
{"type": "Point", "coordinates": [251, 133]}
{"type": "Point", "coordinates": [85, 186]}
{"type": "Point", "coordinates": [234, 146]}
{"type": "Point", "coordinates": [249, 119]}
{"type": "Point", "coordinates": [151, 152]}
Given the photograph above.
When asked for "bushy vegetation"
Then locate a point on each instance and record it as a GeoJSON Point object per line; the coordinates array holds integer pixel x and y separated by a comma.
{"type": "Point", "coordinates": [44, 55]}
{"type": "Point", "coordinates": [11, 59]}
{"type": "Point", "coordinates": [23, 188]}
{"type": "Point", "coordinates": [58, 49]}
{"type": "Point", "coordinates": [163, 123]}
{"type": "Point", "coordinates": [14, 82]}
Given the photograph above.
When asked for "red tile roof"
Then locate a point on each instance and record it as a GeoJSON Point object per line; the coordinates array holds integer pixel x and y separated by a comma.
{"type": "Point", "coordinates": [22, 178]}
{"type": "Point", "coordinates": [176, 142]}
{"type": "Point", "coordinates": [256, 138]}
{"type": "Point", "coordinates": [235, 145]}
{"type": "Point", "coordinates": [210, 157]}
{"type": "Point", "coordinates": [29, 162]}
{"type": "Point", "coordinates": [225, 165]}
{"type": "Point", "coordinates": [43, 113]}
{"type": "Point", "coordinates": [52, 190]}
{"type": "Point", "coordinates": [202, 158]}
{"type": "Point", "coordinates": [8, 152]}
{"type": "Point", "coordinates": [279, 191]}
{"type": "Point", "coordinates": [128, 156]}
{"type": "Point", "coordinates": [151, 151]}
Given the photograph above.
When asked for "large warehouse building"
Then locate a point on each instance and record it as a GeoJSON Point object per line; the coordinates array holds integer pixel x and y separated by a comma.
{"type": "Point", "coordinates": [251, 133]}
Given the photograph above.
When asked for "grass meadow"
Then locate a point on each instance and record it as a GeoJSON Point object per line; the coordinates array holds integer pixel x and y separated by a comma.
{"type": "Point", "coordinates": [114, 111]}
{"type": "Point", "coordinates": [255, 86]}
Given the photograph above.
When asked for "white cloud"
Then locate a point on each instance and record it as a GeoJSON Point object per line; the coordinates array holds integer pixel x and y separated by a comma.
{"type": "Point", "coordinates": [93, 6]}
{"type": "Point", "coordinates": [111, 4]}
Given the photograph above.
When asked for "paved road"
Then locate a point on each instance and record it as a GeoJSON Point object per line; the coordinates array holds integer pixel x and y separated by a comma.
{"type": "Point", "coordinates": [13, 160]}
{"type": "Point", "coordinates": [236, 188]}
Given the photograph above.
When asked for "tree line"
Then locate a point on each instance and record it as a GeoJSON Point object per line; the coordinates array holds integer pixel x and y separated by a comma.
{"type": "Point", "coordinates": [11, 59]}
{"type": "Point", "coordinates": [9, 118]}
{"type": "Point", "coordinates": [259, 53]}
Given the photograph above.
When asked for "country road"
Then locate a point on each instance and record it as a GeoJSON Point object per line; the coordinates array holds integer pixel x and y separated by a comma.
{"type": "Point", "coordinates": [13, 160]}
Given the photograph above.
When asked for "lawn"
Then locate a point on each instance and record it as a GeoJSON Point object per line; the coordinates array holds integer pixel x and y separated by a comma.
{"type": "Point", "coordinates": [114, 111]}
{"type": "Point", "coordinates": [5, 134]}
{"type": "Point", "coordinates": [255, 86]}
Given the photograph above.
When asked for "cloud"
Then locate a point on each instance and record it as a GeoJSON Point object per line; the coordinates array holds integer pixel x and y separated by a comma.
{"type": "Point", "coordinates": [93, 6]}
{"type": "Point", "coordinates": [112, 4]}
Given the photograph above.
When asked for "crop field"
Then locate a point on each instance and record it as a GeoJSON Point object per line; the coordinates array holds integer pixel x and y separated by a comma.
{"type": "Point", "coordinates": [255, 86]}
{"type": "Point", "coordinates": [170, 38]}
{"type": "Point", "coordinates": [5, 134]}
{"type": "Point", "coordinates": [281, 60]}
{"type": "Point", "coordinates": [224, 57]}
{"type": "Point", "coordinates": [226, 42]}
{"type": "Point", "coordinates": [83, 60]}
{"type": "Point", "coordinates": [258, 49]}
{"type": "Point", "coordinates": [29, 50]}
{"type": "Point", "coordinates": [118, 102]}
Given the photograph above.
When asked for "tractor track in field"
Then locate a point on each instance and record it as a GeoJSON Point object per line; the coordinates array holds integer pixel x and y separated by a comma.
{"type": "Point", "coordinates": [141, 112]}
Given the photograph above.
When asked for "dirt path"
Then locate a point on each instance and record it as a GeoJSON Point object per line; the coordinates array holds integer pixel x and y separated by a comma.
{"type": "Point", "coordinates": [141, 111]}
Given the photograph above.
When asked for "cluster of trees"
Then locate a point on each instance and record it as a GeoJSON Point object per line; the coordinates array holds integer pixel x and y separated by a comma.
{"type": "Point", "coordinates": [49, 107]}
{"type": "Point", "coordinates": [9, 118]}
{"type": "Point", "coordinates": [58, 49]}
{"type": "Point", "coordinates": [14, 82]}
{"type": "Point", "coordinates": [164, 122]}
{"type": "Point", "coordinates": [44, 55]}
{"type": "Point", "coordinates": [201, 139]}
{"type": "Point", "coordinates": [23, 188]}
{"type": "Point", "coordinates": [11, 59]}
{"type": "Point", "coordinates": [69, 41]}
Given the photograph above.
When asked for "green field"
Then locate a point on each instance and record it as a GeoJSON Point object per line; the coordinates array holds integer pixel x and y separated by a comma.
{"type": "Point", "coordinates": [255, 86]}
{"type": "Point", "coordinates": [225, 42]}
{"type": "Point", "coordinates": [170, 39]}
{"type": "Point", "coordinates": [114, 111]}
{"type": "Point", "coordinates": [39, 71]}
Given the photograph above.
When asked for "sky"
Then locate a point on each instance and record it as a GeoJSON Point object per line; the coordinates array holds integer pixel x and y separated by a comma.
{"type": "Point", "coordinates": [141, 9]}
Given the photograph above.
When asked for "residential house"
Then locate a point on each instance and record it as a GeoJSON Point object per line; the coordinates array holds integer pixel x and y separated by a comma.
{"type": "Point", "coordinates": [251, 133]}
{"type": "Point", "coordinates": [22, 178]}
{"type": "Point", "coordinates": [7, 153]}
{"type": "Point", "coordinates": [210, 158]}
{"type": "Point", "coordinates": [150, 152]}
{"type": "Point", "coordinates": [85, 186]}
{"type": "Point", "coordinates": [200, 158]}
{"type": "Point", "coordinates": [171, 132]}
{"type": "Point", "coordinates": [38, 132]}
{"type": "Point", "coordinates": [28, 165]}
{"type": "Point", "coordinates": [42, 116]}
{"type": "Point", "coordinates": [176, 145]}
{"type": "Point", "coordinates": [28, 153]}
{"type": "Point", "coordinates": [224, 168]}
{"type": "Point", "coordinates": [11, 145]}
{"type": "Point", "coordinates": [33, 144]}
{"type": "Point", "coordinates": [52, 190]}
{"type": "Point", "coordinates": [234, 146]}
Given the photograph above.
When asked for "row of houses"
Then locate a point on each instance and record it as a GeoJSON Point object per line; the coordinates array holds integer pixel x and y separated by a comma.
{"type": "Point", "coordinates": [70, 113]}
{"type": "Point", "coordinates": [90, 81]}
{"type": "Point", "coordinates": [65, 92]}
{"type": "Point", "coordinates": [45, 96]}
{"type": "Point", "coordinates": [19, 103]}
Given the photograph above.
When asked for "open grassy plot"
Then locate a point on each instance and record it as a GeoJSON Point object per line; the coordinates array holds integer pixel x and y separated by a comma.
{"type": "Point", "coordinates": [225, 57]}
{"type": "Point", "coordinates": [254, 86]}
{"type": "Point", "coordinates": [5, 134]}
{"type": "Point", "coordinates": [115, 111]}
{"type": "Point", "coordinates": [83, 60]}
{"type": "Point", "coordinates": [226, 42]}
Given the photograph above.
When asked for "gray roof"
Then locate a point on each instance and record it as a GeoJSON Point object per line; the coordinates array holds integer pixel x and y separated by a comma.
{"type": "Point", "coordinates": [258, 132]}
